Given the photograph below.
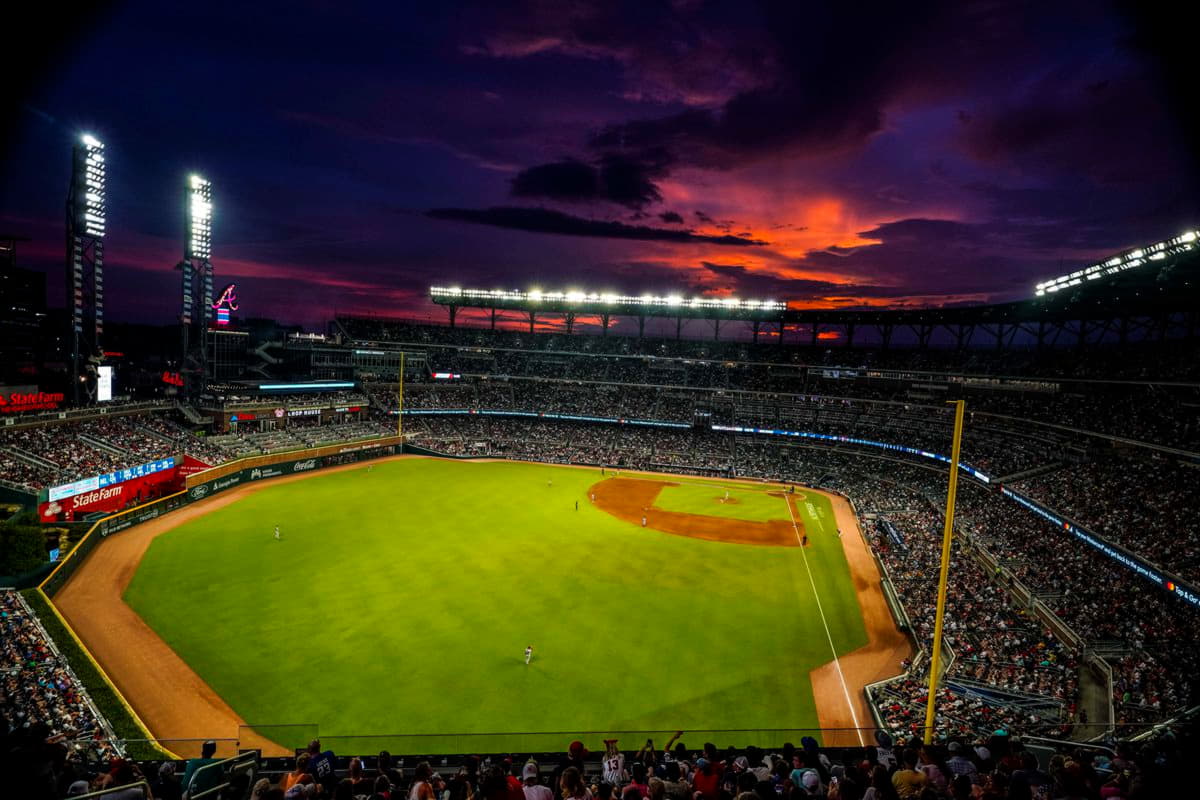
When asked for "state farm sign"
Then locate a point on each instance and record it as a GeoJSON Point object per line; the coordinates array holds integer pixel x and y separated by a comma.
{"type": "Point", "coordinates": [16, 399]}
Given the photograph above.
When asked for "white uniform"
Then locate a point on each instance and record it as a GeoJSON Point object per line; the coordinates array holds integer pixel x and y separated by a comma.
{"type": "Point", "coordinates": [614, 769]}
{"type": "Point", "coordinates": [528, 654]}
{"type": "Point", "coordinates": [276, 532]}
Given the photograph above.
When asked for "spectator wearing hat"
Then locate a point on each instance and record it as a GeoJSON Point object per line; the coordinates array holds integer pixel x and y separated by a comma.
{"type": "Point", "coordinates": [706, 781]}
{"type": "Point", "coordinates": [531, 785]}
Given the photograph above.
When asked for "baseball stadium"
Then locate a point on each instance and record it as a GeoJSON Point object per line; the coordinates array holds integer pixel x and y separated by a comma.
{"type": "Point", "coordinates": [649, 527]}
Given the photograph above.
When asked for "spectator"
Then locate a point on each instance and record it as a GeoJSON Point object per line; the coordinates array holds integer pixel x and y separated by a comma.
{"type": "Point", "coordinates": [908, 780]}
{"type": "Point", "coordinates": [576, 752]}
{"type": "Point", "coordinates": [533, 788]}
{"type": "Point", "coordinates": [300, 774]}
{"type": "Point", "coordinates": [321, 765]}
{"type": "Point", "coordinates": [199, 776]}
{"type": "Point", "coordinates": [167, 786]}
{"type": "Point", "coordinates": [706, 780]}
{"type": "Point", "coordinates": [421, 788]}
{"type": "Point", "coordinates": [572, 786]}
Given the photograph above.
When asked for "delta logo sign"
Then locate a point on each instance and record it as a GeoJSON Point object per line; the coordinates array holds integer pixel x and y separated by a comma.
{"type": "Point", "coordinates": [228, 301]}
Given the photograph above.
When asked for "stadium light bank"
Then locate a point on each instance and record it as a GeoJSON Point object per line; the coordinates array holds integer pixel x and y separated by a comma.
{"type": "Point", "coordinates": [595, 301]}
{"type": "Point", "coordinates": [1122, 261]}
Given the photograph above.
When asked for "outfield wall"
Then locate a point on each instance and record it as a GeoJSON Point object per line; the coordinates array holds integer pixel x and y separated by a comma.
{"type": "Point", "coordinates": [213, 481]}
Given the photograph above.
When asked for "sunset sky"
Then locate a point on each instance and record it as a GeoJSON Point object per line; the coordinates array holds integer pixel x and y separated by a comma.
{"type": "Point", "coordinates": [829, 154]}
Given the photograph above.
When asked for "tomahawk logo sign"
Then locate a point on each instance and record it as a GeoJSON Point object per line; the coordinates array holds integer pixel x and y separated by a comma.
{"type": "Point", "coordinates": [228, 301]}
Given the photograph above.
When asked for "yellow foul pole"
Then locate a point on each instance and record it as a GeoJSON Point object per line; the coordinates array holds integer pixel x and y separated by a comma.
{"type": "Point", "coordinates": [400, 398]}
{"type": "Point", "coordinates": [935, 662]}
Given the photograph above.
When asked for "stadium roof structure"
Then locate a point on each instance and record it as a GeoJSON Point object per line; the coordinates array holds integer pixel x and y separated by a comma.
{"type": "Point", "coordinates": [1148, 292]}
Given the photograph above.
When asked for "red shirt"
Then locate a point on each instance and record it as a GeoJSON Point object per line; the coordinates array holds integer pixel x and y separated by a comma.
{"type": "Point", "coordinates": [708, 785]}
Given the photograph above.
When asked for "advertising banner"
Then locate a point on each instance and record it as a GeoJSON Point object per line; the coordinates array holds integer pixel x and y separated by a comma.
{"type": "Point", "coordinates": [102, 494]}
{"type": "Point", "coordinates": [191, 466]}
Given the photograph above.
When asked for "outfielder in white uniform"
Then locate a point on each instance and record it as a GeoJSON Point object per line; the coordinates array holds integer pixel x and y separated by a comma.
{"type": "Point", "coordinates": [528, 654]}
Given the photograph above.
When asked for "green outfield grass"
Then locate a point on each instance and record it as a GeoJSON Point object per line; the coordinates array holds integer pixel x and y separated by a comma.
{"type": "Point", "coordinates": [401, 599]}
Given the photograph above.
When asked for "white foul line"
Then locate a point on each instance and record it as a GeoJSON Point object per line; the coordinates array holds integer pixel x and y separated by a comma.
{"type": "Point", "coordinates": [828, 635]}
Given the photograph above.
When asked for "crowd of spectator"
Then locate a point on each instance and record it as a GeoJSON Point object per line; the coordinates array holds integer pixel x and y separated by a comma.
{"type": "Point", "coordinates": [995, 766]}
{"type": "Point", "coordinates": [1146, 505]}
{"type": "Point", "coordinates": [1097, 390]}
{"type": "Point", "coordinates": [38, 691]}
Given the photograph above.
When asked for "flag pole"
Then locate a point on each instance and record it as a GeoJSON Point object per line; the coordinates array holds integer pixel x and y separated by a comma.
{"type": "Point", "coordinates": [935, 662]}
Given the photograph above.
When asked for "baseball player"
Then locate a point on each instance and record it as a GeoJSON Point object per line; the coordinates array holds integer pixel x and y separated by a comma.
{"type": "Point", "coordinates": [528, 654]}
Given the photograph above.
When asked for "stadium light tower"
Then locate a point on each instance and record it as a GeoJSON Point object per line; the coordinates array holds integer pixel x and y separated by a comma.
{"type": "Point", "coordinates": [196, 296]}
{"type": "Point", "coordinates": [86, 217]}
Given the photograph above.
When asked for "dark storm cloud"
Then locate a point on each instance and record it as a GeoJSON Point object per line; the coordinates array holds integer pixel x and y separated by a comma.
{"type": "Point", "coordinates": [543, 220]}
{"type": "Point", "coordinates": [821, 98]}
{"type": "Point", "coordinates": [1081, 125]}
{"type": "Point", "coordinates": [934, 256]}
{"type": "Point", "coordinates": [570, 181]}
{"type": "Point", "coordinates": [671, 218]}
{"type": "Point", "coordinates": [620, 178]}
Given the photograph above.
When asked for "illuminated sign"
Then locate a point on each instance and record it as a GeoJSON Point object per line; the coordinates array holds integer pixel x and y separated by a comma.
{"type": "Point", "coordinates": [228, 301]}
{"type": "Point", "coordinates": [245, 415]}
{"type": "Point", "coordinates": [14, 400]}
{"type": "Point", "coordinates": [267, 387]}
{"type": "Point", "coordinates": [104, 380]}
{"type": "Point", "coordinates": [303, 412]}
{"type": "Point", "coordinates": [173, 378]}
{"type": "Point", "coordinates": [446, 376]}
{"type": "Point", "coordinates": [102, 482]}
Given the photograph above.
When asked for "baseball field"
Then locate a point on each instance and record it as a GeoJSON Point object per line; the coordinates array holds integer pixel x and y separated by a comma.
{"type": "Point", "coordinates": [400, 598]}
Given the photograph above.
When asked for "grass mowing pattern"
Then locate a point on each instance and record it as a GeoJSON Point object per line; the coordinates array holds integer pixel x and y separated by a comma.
{"type": "Point", "coordinates": [401, 599]}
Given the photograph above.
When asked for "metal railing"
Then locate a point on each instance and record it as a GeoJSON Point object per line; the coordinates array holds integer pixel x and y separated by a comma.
{"type": "Point", "coordinates": [110, 791]}
{"type": "Point", "coordinates": [241, 764]}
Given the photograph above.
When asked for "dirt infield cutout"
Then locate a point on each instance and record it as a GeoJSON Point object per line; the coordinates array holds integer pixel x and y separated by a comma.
{"type": "Point", "coordinates": [631, 499]}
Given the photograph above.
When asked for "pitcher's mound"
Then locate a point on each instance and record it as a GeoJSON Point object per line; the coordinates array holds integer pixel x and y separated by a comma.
{"type": "Point", "coordinates": [630, 499]}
